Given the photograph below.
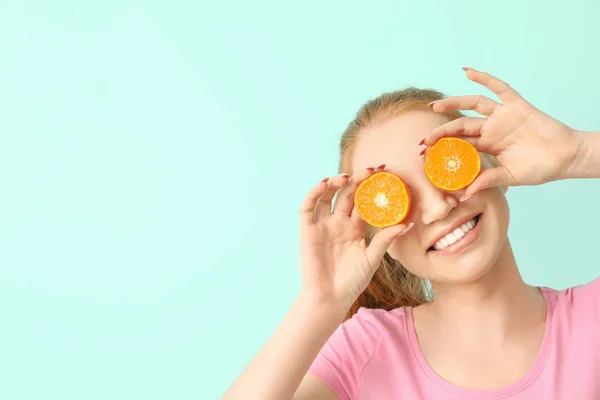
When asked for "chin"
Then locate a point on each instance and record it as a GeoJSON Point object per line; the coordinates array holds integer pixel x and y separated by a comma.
{"type": "Point", "coordinates": [468, 269]}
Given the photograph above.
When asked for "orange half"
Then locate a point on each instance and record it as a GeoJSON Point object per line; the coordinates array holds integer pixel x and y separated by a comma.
{"type": "Point", "coordinates": [452, 163]}
{"type": "Point", "coordinates": [382, 200]}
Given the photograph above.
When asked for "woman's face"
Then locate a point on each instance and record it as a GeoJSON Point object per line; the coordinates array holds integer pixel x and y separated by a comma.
{"type": "Point", "coordinates": [427, 250]}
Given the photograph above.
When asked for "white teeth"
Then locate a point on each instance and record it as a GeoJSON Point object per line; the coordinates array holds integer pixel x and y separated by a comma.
{"type": "Point", "coordinates": [451, 238]}
{"type": "Point", "coordinates": [455, 235]}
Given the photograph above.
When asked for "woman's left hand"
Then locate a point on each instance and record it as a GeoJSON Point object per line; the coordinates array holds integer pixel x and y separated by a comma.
{"type": "Point", "coordinates": [532, 147]}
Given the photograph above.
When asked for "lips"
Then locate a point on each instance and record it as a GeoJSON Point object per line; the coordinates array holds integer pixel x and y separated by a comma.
{"type": "Point", "coordinates": [454, 233]}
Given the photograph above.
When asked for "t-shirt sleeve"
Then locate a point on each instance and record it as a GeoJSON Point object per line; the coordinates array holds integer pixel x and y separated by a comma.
{"type": "Point", "coordinates": [586, 299]}
{"type": "Point", "coordinates": [342, 359]}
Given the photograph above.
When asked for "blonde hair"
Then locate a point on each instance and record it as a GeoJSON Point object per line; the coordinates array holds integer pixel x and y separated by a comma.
{"type": "Point", "coordinates": [392, 286]}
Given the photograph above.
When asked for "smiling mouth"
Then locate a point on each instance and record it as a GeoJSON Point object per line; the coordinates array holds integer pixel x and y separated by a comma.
{"type": "Point", "coordinates": [456, 235]}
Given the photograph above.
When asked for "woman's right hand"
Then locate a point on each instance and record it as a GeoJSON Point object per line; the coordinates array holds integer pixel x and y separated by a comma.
{"type": "Point", "coordinates": [336, 267]}
{"type": "Point", "coordinates": [336, 263]}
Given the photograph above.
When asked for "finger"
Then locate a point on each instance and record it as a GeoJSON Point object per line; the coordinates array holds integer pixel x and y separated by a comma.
{"type": "Point", "coordinates": [481, 104]}
{"type": "Point", "coordinates": [355, 216]}
{"type": "Point", "coordinates": [382, 241]}
{"type": "Point", "coordinates": [307, 208]}
{"type": "Point", "coordinates": [465, 126]}
{"type": "Point", "coordinates": [345, 198]}
{"type": "Point", "coordinates": [323, 208]}
{"type": "Point", "coordinates": [502, 89]}
{"type": "Point", "coordinates": [488, 178]}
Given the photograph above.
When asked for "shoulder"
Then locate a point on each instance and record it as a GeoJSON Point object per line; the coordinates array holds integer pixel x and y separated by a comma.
{"type": "Point", "coordinates": [379, 320]}
{"type": "Point", "coordinates": [346, 354]}
{"type": "Point", "coordinates": [369, 328]}
{"type": "Point", "coordinates": [359, 337]}
{"type": "Point", "coordinates": [583, 299]}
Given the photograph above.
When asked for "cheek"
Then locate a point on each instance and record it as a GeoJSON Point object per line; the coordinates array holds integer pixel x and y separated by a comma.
{"type": "Point", "coordinates": [403, 250]}
{"type": "Point", "coordinates": [406, 249]}
{"type": "Point", "coordinates": [497, 197]}
{"type": "Point", "coordinates": [497, 208]}
{"type": "Point", "coordinates": [414, 205]}
{"type": "Point", "coordinates": [504, 212]}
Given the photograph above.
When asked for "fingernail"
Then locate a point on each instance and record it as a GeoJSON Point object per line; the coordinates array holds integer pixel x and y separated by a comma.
{"type": "Point", "coordinates": [465, 198]}
{"type": "Point", "coordinates": [422, 142]}
{"type": "Point", "coordinates": [343, 175]}
{"type": "Point", "coordinates": [405, 231]}
{"type": "Point", "coordinates": [430, 105]}
{"type": "Point", "coordinates": [424, 151]}
{"type": "Point", "coordinates": [324, 180]}
{"type": "Point", "coordinates": [371, 169]}
{"type": "Point", "coordinates": [466, 69]}
{"type": "Point", "coordinates": [382, 166]}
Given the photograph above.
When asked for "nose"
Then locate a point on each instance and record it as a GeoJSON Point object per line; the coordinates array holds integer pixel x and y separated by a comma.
{"type": "Point", "coordinates": [436, 204]}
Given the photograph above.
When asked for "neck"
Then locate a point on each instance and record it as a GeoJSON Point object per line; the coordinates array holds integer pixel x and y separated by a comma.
{"type": "Point", "coordinates": [493, 306]}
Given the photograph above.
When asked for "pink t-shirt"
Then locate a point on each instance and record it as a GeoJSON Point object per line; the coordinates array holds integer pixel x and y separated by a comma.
{"type": "Point", "coordinates": [375, 355]}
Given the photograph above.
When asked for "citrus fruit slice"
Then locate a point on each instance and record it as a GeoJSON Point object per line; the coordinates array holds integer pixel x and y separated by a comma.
{"type": "Point", "coordinates": [452, 163]}
{"type": "Point", "coordinates": [382, 200]}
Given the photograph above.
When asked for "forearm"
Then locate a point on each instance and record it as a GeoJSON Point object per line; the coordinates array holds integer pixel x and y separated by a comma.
{"type": "Point", "coordinates": [586, 163]}
{"type": "Point", "coordinates": [278, 369]}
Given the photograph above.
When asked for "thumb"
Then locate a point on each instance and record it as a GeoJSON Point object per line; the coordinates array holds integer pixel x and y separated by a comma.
{"type": "Point", "coordinates": [382, 241]}
{"type": "Point", "coordinates": [487, 178]}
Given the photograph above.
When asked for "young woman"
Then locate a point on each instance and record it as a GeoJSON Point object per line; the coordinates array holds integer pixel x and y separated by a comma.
{"type": "Point", "coordinates": [365, 326]}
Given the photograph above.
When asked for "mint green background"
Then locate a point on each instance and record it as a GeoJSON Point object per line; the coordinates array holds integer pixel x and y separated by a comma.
{"type": "Point", "coordinates": [153, 156]}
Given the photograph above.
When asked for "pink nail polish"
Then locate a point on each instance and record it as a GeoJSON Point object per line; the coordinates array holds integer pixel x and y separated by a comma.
{"type": "Point", "coordinates": [424, 151]}
{"type": "Point", "coordinates": [343, 175]}
{"type": "Point", "coordinates": [422, 142]}
{"type": "Point", "coordinates": [382, 166]}
{"type": "Point", "coordinates": [430, 105]}
{"type": "Point", "coordinates": [370, 169]}
{"type": "Point", "coordinates": [465, 198]}
{"type": "Point", "coordinates": [465, 69]}
{"type": "Point", "coordinates": [324, 180]}
{"type": "Point", "coordinates": [405, 231]}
